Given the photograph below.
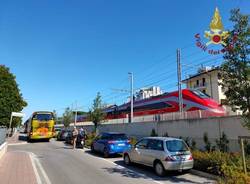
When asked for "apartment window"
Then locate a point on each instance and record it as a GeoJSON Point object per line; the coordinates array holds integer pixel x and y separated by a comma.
{"type": "Point", "coordinates": [204, 91]}
{"type": "Point", "coordinates": [197, 82]}
{"type": "Point", "coordinates": [203, 81]}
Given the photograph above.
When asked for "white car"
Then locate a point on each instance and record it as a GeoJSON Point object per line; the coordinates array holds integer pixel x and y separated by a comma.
{"type": "Point", "coordinates": [162, 153]}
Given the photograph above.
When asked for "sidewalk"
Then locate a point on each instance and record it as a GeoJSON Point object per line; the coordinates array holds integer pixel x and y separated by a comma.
{"type": "Point", "coordinates": [16, 167]}
{"type": "Point", "coordinates": [14, 139]}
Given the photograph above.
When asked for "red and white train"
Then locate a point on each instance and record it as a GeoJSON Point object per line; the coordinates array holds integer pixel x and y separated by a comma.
{"type": "Point", "coordinates": [166, 103]}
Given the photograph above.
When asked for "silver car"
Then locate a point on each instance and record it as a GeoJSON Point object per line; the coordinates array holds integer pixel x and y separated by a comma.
{"type": "Point", "coordinates": [162, 153]}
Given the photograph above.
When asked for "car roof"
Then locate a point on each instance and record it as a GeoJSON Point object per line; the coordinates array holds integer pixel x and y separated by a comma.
{"type": "Point", "coordinates": [112, 133]}
{"type": "Point", "coordinates": [162, 138]}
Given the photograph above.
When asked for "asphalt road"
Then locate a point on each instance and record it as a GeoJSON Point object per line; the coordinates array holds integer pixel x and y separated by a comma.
{"type": "Point", "coordinates": [63, 165]}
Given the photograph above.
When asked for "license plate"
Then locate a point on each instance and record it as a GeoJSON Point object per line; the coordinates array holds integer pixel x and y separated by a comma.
{"type": "Point", "coordinates": [121, 144]}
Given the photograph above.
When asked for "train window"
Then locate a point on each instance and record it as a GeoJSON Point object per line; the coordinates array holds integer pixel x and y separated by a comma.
{"type": "Point", "coordinates": [200, 94]}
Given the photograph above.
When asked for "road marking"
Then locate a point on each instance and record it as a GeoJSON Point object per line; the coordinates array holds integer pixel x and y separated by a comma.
{"type": "Point", "coordinates": [37, 165]}
{"type": "Point", "coordinates": [122, 167]}
{"type": "Point", "coordinates": [38, 179]}
{"type": "Point", "coordinates": [16, 144]}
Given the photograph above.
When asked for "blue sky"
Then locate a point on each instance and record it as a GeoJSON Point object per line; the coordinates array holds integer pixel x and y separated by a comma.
{"type": "Point", "coordinates": [66, 51]}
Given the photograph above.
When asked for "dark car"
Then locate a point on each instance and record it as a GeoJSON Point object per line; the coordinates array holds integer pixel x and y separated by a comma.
{"type": "Point", "coordinates": [79, 140]}
{"type": "Point", "coordinates": [69, 137]}
{"type": "Point", "coordinates": [61, 135]}
{"type": "Point", "coordinates": [110, 143]}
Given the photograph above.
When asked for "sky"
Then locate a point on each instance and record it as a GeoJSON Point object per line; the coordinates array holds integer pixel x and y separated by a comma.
{"type": "Point", "coordinates": [63, 52]}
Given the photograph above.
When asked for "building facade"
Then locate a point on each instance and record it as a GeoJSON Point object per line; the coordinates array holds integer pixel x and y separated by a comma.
{"type": "Point", "coordinates": [207, 80]}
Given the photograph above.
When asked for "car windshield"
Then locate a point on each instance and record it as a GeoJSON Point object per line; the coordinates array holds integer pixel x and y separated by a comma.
{"type": "Point", "coordinates": [118, 137]}
{"type": "Point", "coordinates": [43, 117]}
{"type": "Point", "coordinates": [176, 146]}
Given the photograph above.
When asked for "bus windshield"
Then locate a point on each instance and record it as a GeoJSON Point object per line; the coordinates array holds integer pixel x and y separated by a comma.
{"type": "Point", "coordinates": [200, 94]}
{"type": "Point", "coordinates": [43, 117]}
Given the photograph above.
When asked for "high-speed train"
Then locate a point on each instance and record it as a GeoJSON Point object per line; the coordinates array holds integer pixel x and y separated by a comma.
{"type": "Point", "coordinates": [166, 103]}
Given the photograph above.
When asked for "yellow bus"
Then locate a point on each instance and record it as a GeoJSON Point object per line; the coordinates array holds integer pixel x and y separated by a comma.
{"type": "Point", "coordinates": [40, 126]}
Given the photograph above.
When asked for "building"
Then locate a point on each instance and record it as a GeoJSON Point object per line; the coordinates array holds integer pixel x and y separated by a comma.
{"type": "Point", "coordinates": [207, 80]}
{"type": "Point", "coordinates": [144, 93]}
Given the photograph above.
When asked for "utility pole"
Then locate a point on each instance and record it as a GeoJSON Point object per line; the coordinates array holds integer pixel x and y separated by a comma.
{"type": "Point", "coordinates": [131, 97]}
{"type": "Point", "coordinates": [179, 81]}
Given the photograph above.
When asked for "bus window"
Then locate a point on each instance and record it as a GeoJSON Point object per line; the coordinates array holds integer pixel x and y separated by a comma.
{"type": "Point", "coordinates": [43, 117]}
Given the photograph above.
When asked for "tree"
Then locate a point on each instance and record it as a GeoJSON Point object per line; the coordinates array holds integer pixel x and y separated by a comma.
{"type": "Point", "coordinates": [55, 116]}
{"type": "Point", "coordinates": [96, 114]}
{"type": "Point", "coordinates": [67, 117]}
{"type": "Point", "coordinates": [11, 99]}
{"type": "Point", "coordinates": [236, 67]}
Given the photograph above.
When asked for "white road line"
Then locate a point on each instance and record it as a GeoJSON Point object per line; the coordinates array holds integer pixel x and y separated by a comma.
{"type": "Point", "coordinates": [38, 165]}
{"type": "Point", "coordinates": [38, 179]}
{"type": "Point", "coordinates": [16, 144]}
{"type": "Point", "coordinates": [122, 167]}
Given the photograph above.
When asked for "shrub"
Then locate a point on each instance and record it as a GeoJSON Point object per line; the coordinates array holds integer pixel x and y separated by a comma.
{"type": "Point", "coordinates": [226, 165]}
{"type": "Point", "coordinates": [153, 133]}
{"type": "Point", "coordinates": [193, 145]}
{"type": "Point", "coordinates": [89, 139]}
{"type": "Point", "coordinates": [207, 142]}
{"type": "Point", "coordinates": [222, 143]}
{"type": "Point", "coordinates": [187, 140]}
{"type": "Point", "coordinates": [166, 134]}
{"type": "Point", "coordinates": [133, 140]}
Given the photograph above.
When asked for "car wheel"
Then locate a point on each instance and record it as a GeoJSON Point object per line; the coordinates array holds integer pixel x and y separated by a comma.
{"type": "Point", "coordinates": [105, 153]}
{"type": "Point", "coordinates": [159, 169]}
{"type": "Point", "coordinates": [126, 159]}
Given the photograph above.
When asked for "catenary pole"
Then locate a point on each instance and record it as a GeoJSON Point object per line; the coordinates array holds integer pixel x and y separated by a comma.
{"type": "Point", "coordinates": [179, 81]}
{"type": "Point", "coordinates": [131, 97]}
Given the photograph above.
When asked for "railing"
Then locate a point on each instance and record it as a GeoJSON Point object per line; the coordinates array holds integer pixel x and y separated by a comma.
{"type": "Point", "coordinates": [167, 117]}
{"type": "Point", "coordinates": [3, 132]}
{"type": "Point", "coordinates": [199, 114]}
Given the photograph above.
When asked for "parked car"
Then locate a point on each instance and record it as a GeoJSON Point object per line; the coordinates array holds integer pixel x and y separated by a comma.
{"type": "Point", "coordinates": [79, 139]}
{"type": "Point", "coordinates": [161, 153]}
{"type": "Point", "coordinates": [110, 143]}
{"type": "Point", "coordinates": [61, 135]}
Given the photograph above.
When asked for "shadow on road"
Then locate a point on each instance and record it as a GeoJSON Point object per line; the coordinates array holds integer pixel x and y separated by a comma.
{"type": "Point", "coordinates": [144, 172]}
{"type": "Point", "coordinates": [98, 154]}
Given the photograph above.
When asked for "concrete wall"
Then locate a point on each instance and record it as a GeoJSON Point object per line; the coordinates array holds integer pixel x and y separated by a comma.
{"type": "Point", "coordinates": [193, 129]}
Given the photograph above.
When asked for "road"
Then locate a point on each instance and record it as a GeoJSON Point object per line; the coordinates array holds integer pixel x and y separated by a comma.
{"type": "Point", "coordinates": [60, 164]}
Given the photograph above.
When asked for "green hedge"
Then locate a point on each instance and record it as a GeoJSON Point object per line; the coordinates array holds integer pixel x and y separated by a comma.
{"type": "Point", "coordinates": [226, 165]}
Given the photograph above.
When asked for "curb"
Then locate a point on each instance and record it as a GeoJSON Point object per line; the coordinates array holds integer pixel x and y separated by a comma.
{"type": "Point", "coordinates": [204, 174]}
{"type": "Point", "coordinates": [3, 149]}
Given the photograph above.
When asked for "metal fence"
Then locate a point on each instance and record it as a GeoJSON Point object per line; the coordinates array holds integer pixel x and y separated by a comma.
{"type": "Point", "coordinates": [198, 114]}
{"type": "Point", "coordinates": [3, 131]}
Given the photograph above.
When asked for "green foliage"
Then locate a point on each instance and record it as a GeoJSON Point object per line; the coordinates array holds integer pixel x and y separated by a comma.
{"type": "Point", "coordinates": [166, 134]}
{"type": "Point", "coordinates": [55, 116]}
{"type": "Point", "coordinates": [235, 70]}
{"type": "Point", "coordinates": [222, 143]}
{"type": "Point", "coordinates": [208, 146]}
{"type": "Point", "coordinates": [133, 140]}
{"type": "Point", "coordinates": [247, 147]}
{"type": "Point", "coordinates": [67, 117]}
{"type": "Point", "coordinates": [193, 145]}
{"type": "Point", "coordinates": [226, 165]}
{"type": "Point", "coordinates": [187, 140]}
{"type": "Point", "coordinates": [90, 138]}
{"type": "Point", "coordinates": [96, 114]}
{"type": "Point", "coordinates": [11, 99]}
{"type": "Point", "coordinates": [153, 133]}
